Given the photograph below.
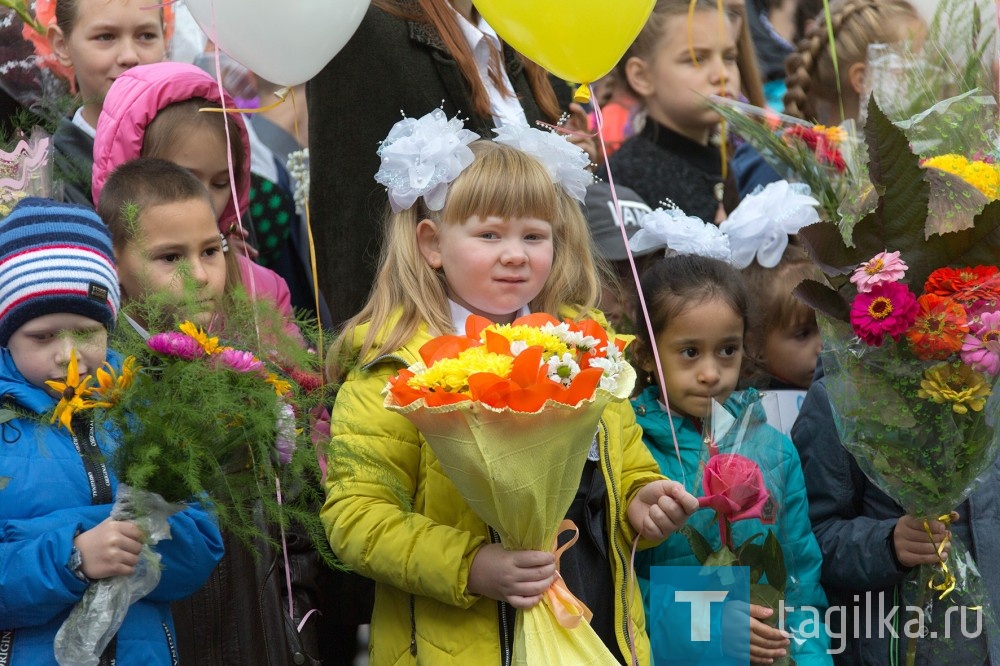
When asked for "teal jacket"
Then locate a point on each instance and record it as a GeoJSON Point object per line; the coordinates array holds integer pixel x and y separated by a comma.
{"type": "Point", "coordinates": [787, 517]}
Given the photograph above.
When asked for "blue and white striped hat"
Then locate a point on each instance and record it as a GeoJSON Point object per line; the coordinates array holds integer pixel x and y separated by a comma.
{"type": "Point", "coordinates": [55, 258]}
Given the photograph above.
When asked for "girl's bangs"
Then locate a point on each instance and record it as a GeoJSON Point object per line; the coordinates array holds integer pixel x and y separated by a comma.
{"type": "Point", "coordinates": [505, 183]}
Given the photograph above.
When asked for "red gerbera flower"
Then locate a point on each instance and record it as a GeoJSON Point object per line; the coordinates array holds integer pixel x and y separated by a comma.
{"type": "Point", "coordinates": [887, 308]}
{"type": "Point", "coordinates": [940, 328]}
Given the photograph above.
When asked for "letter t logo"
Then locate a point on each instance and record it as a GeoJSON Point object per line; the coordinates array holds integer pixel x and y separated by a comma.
{"type": "Point", "coordinates": [701, 602]}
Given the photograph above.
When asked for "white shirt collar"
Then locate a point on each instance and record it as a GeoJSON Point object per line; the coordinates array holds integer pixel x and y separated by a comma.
{"type": "Point", "coordinates": [460, 313]}
{"type": "Point", "coordinates": [80, 122]}
{"type": "Point", "coordinates": [506, 109]}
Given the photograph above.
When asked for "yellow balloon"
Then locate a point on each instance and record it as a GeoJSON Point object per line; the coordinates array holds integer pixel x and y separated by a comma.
{"type": "Point", "coordinates": [578, 41]}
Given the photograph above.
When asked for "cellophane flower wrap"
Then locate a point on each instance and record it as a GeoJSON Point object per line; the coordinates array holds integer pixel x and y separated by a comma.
{"type": "Point", "coordinates": [510, 411]}
{"type": "Point", "coordinates": [196, 420]}
{"type": "Point", "coordinates": [743, 494]}
{"type": "Point", "coordinates": [909, 322]}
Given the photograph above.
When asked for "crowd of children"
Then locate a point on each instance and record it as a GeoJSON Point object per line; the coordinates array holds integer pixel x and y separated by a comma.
{"type": "Point", "coordinates": [157, 181]}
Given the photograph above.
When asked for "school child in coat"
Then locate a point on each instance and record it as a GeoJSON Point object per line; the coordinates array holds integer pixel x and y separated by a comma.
{"type": "Point", "coordinates": [168, 245]}
{"type": "Point", "coordinates": [497, 237]}
{"type": "Point", "coordinates": [59, 298]}
{"type": "Point", "coordinates": [154, 111]}
{"type": "Point", "coordinates": [672, 67]}
{"type": "Point", "coordinates": [699, 311]}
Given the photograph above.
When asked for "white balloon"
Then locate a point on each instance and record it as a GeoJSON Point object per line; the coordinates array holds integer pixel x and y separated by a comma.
{"type": "Point", "coordinates": [285, 42]}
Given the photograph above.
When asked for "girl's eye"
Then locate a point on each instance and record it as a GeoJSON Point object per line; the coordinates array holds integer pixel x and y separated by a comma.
{"type": "Point", "coordinates": [212, 251]}
{"type": "Point", "coordinates": [149, 36]}
{"type": "Point", "coordinates": [489, 235]}
{"type": "Point", "coordinates": [689, 353]}
{"type": "Point", "coordinates": [728, 351]}
{"type": "Point", "coordinates": [170, 258]}
{"type": "Point", "coordinates": [104, 37]}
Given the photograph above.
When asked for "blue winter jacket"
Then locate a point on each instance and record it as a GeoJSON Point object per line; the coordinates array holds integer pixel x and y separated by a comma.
{"type": "Point", "coordinates": [787, 516]}
{"type": "Point", "coordinates": [47, 497]}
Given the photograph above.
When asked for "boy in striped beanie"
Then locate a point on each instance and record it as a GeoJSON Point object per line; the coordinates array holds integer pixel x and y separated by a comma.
{"type": "Point", "coordinates": [59, 297]}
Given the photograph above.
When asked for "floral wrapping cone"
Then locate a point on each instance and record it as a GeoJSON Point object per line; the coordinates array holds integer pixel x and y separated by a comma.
{"type": "Point", "coordinates": [519, 472]}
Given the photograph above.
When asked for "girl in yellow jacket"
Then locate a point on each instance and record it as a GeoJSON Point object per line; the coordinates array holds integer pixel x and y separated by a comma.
{"type": "Point", "coordinates": [492, 229]}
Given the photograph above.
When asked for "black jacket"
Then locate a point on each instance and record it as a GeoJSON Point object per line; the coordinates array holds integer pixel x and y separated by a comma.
{"type": "Point", "coordinates": [389, 65]}
{"type": "Point", "coordinates": [73, 163]}
{"type": "Point", "coordinates": [662, 166]}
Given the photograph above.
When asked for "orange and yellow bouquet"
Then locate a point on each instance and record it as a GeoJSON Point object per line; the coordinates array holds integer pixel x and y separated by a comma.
{"type": "Point", "coordinates": [510, 411]}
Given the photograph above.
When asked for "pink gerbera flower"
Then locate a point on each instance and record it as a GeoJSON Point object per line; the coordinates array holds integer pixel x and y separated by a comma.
{"type": "Point", "coordinates": [882, 268]}
{"type": "Point", "coordinates": [889, 308]}
{"type": "Point", "coordinates": [981, 349]}
{"type": "Point", "coordinates": [176, 344]}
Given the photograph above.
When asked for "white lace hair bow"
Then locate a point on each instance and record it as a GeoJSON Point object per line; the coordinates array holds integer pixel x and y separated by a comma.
{"type": "Point", "coordinates": [566, 163]}
{"type": "Point", "coordinates": [421, 156]}
{"type": "Point", "coordinates": [760, 225]}
{"type": "Point", "coordinates": [684, 234]}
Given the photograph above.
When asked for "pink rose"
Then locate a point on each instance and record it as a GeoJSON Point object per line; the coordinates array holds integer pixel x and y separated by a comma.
{"type": "Point", "coordinates": [734, 487]}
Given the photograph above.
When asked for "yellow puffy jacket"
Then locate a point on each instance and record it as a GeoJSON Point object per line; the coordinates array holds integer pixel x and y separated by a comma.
{"type": "Point", "coordinates": [420, 555]}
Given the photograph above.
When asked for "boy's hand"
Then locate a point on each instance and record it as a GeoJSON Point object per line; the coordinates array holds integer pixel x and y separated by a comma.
{"type": "Point", "coordinates": [767, 643]}
{"type": "Point", "coordinates": [519, 577]}
{"type": "Point", "coordinates": [913, 546]}
{"type": "Point", "coordinates": [109, 549]}
{"type": "Point", "coordinates": [660, 508]}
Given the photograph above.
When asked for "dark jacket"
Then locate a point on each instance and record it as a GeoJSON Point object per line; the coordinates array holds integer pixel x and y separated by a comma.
{"type": "Point", "coordinates": [853, 521]}
{"type": "Point", "coordinates": [389, 65]}
{"type": "Point", "coordinates": [240, 616]}
{"type": "Point", "coordinates": [74, 160]}
{"type": "Point", "coordinates": [661, 166]}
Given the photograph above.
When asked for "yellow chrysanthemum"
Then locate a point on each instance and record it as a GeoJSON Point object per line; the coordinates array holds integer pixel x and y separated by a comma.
{"type": "Point", "coordinates": [111, 384]}
{"type": "Point", "coordinates": [532, 337]}
{"type": "Point", "coordinates": [981, 175]}
{"type": "Point", "coordinates": [452, 374]}
{"type": "Point", "coordinates": [210, 345]}
{"type": "Point", "coordinates": [956, 383]}
{"type": "Point", "coordinates": [834, 134]}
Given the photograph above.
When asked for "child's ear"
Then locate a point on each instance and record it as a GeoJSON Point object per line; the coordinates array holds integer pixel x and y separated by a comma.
{"type": "Point", "coordinates": [429, 243]}
{"type": "Point", "coordinates": [638, 75]}
{"type": "Point", "coordinates": [57, 40]}
{"type": "Point", "coordinates": [856, 77]}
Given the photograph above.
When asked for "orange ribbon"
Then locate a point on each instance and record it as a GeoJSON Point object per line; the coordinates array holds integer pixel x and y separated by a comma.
{"type": "Point", "coordinates": [567, 608]}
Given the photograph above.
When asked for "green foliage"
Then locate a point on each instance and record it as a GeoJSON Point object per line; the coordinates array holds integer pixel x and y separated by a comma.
{"type": "Point", "coordinates": [909, 217]}
{"type": "Point", "coordinates": [197, 429]}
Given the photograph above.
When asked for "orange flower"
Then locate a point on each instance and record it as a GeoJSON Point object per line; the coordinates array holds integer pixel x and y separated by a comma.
{"type": "Point", "coordinates": [968, 284]}
{"type": "Point", "coordinates": [940, 328]}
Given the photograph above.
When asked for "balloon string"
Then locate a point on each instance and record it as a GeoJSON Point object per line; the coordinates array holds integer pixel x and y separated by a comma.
{"type": "Point", "coordinates": [252, 286]}
{"type": "Point", "coordinates": [280, 94]}
{"type": "Point", "coordinates": [312, 248]}
{"type": "Point", "coordinates": [599, 117]}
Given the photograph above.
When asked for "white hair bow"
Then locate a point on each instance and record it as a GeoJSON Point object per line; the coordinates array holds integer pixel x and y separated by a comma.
{"type": "Point", "coordinates": [760, 225]}
{"type": "Point", "coordinates": [684, 234]}
{"type": "Point", "coordinates": [566, 163]}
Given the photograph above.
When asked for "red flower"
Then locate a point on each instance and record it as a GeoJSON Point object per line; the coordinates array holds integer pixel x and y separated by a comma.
{"type": "Point", "coordinates": [939, 329]}
{"type": "Point", "coordinates": [888, 308]}
{"type": "Point", "coordinates": [734, 488]}
{"type": "Point", "coordinates": [967, 285]}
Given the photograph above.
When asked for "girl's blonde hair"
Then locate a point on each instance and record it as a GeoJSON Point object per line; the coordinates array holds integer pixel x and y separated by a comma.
{"type": "Point", "coordinates": [855, 24]}
{"type": "Point", "coordinates": [502, 182]}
